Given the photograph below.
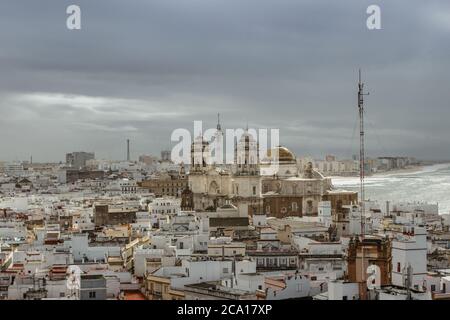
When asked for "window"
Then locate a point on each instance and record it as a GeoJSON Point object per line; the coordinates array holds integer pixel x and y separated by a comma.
{"type": "Point", "coordinates": [398, 267]}
{"type": "Point", "coordinates": [254, 190]}
{"type": "Point", "coordinates": [433, 287]}
{"type": "Point", "coordinates": [272, 262]}
{"type": "Point", "coordinates": [344, 298]}
{"type": "Point", "coordinates": [309, 204]}
{"type": "Point", "coordinates": [225, 270]}
{"type": "Point", "coordinates": [92, 294]}
{"type": "Point", "coordinates": [62, 294]}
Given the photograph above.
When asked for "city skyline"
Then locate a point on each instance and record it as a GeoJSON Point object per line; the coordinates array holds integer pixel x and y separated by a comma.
{"type": "Point", "coordinates": [134, 157]}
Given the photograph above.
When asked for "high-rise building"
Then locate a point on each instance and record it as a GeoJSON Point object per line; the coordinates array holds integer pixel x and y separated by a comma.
{"type": "Point", "coordinates": [147, 159]}
{"type": "Point", "coordinates": [165, 155]}
{"type": "Point", "coordinates": [77, 160]}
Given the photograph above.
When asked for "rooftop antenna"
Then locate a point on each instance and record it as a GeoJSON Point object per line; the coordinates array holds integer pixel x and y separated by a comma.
{"type": "Point", "coordinates": [361, 95]}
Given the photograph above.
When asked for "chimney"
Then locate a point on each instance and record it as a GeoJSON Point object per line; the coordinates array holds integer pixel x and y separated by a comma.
{"type": "Point", "coordinates": [128, 149]}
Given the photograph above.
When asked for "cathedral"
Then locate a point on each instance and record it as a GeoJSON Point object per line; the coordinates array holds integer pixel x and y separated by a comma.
{"type": "Point", "coordinates": [293, 189]}
{"type": "Point", "coordinates": [211, 185]}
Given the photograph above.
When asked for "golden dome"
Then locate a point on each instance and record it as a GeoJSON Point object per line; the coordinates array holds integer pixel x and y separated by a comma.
{"type": "Point", "coordinates": [284, 154]}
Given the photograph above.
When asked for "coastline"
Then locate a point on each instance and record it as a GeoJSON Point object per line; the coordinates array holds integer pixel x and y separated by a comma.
{"type": "Point", "coordinates": [425, 183]}
{"type": "Point", "coordinates": [410, 169]}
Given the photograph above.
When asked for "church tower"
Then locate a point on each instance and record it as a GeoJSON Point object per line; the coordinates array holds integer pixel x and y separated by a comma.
{"type": "Point", "coordinates": [246, 184]}
{"type": "Point", "coordinates": [246, 155]}
{"type": "Point", "coordinates": [199, 155]}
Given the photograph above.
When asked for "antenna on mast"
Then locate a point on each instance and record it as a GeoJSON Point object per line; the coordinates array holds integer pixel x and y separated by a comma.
{"type": "Point", "coordinates": [361, 95]}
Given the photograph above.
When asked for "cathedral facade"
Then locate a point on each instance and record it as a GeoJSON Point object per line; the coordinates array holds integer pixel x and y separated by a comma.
{"type": "Point", "coordinates": [212, 185]}
{"type": "Point", "coordinates": [292, 190]}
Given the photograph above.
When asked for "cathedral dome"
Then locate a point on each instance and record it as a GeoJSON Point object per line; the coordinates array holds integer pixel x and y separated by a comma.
{"type": "Point", "coordinates": [284, 154]}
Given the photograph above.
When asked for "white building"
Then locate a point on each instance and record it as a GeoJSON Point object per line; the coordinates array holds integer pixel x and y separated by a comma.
{"type": "Point", "coordinates": [341, 290]}
{"type": "Point", "coordinates": [324, 213]}
{"type": "Point", "coordinates": [409, 249]}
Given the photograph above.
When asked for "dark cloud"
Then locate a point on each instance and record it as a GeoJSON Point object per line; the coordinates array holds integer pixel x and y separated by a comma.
{"type": "Point", "coordinates": [139, 69]}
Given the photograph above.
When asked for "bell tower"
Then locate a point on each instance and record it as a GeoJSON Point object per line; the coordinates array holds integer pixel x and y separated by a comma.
{"type": "Point", "coordinates": [246, 155]}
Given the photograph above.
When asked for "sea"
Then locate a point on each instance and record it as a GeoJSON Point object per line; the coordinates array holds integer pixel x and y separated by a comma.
{"type": "Point", "coordinates": [429, 184]}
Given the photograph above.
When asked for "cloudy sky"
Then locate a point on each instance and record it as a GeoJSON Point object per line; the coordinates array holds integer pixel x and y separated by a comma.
{"type": "Point", "coordinates": [139, 69]}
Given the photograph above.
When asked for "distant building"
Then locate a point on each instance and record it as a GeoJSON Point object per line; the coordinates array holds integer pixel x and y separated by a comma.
{"type": "Point", "coordinates": [165, 155]}
{"type": "Point", "coordinates": [78, 159]}
{"type": "Point", "coordinates": [114, 215]}
{"type": "Point", "coordinates": [14, 169]}
{"type": "Point", "coordinates": [334, 167]}
{"type": "Point", "coordinates": [71, 176]}
{"type": "Point", "coordinates": [147, 159]}
{"type": "Point", "coordinates": [167, 184]}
